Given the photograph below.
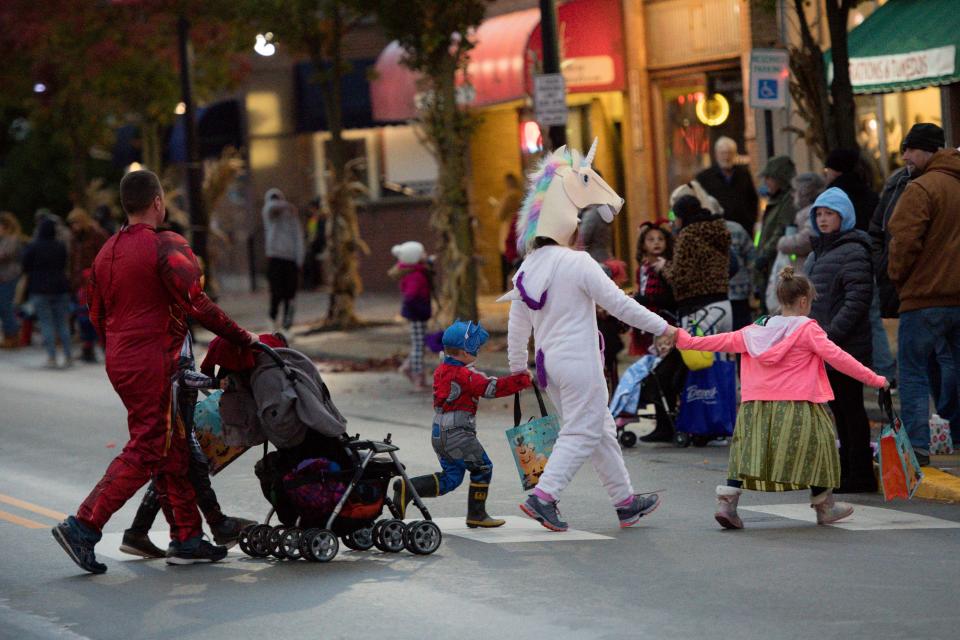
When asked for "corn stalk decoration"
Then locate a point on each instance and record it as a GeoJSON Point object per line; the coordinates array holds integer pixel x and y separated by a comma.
{"type": "Point", "coordinates": [435, 36]}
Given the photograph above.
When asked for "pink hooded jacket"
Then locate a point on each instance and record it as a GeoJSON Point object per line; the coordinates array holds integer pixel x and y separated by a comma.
{"type": "Point", "coordinates": [784, 359]}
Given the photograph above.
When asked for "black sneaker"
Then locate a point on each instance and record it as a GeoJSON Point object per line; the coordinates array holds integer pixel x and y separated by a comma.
{"type": "Point", "coordinates": [227, 531]}
{"type": "Point", "coordinates": [78, 542]}
{"type": "Point", "coordinates": [194, 551]}
{"type": "Point", "coordinates": [139, 544]}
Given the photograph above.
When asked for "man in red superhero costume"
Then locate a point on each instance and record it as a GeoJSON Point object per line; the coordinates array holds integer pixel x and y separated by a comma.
{"type": "Point", "coordinates": [144, 285]}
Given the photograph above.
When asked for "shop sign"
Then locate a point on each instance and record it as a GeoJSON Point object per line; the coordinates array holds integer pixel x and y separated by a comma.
{"type": "Point", "coordinates": [550, 99]}
{"type": "Point", "coordinates": [588, 71]}
{"type": "Point", "coordinates": [903, 67]}
{"type": "Point", "coordinates": [769, 72]}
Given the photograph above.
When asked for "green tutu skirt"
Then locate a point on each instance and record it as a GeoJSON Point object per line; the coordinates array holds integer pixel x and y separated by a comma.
{"type": "Point", "coordinates": [784, 446]}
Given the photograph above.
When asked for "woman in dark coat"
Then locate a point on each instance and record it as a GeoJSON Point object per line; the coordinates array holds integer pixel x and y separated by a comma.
{"type": "Point", "coordinates": [45, 264]}
{"type": "Point", "coordinates": [841, 270]}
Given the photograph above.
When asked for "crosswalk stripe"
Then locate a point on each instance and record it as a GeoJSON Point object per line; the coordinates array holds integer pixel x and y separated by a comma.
{"type": "Point", "coordinates": [517, 529]}
{"type": "Point", "coordinates": [29, 506]}
{"type": "Point", "coordinates": [23, 522]}
{"type": "Point", "coordinates": [864, 518]}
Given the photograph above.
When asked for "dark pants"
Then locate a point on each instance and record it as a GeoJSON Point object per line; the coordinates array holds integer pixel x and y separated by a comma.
{"type": "Point", "coordinates": [853, 429]}
{"type": "Point", "coordinates": [282, 276]}
{"type": "Point", "coordinates": [742, 316]}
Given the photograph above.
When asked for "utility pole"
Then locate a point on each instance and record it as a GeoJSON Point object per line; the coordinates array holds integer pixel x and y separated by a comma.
{"type": "Point", "coordinates": [194, 174]}
{"type": "Point", "coordinates": [551, 59]}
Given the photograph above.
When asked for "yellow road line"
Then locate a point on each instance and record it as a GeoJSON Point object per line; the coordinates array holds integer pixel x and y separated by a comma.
{"type": "Point", "coordinates": [23, 522]}
{"type": "Point", "coordinates": [28, 506]}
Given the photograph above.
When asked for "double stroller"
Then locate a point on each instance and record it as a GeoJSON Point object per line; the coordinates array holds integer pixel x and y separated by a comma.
{"type": "Point", "coordinates": [323, 485]}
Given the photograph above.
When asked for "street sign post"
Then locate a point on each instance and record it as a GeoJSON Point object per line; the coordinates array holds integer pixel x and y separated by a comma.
{"type": "Point", "coordinates": [550, 99]}
{"type": "Point", "coordinates": [769, 73]}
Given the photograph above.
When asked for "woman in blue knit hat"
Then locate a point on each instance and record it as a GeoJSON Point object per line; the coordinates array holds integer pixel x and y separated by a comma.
{"type": "Point", "coordinates": [842, 273]}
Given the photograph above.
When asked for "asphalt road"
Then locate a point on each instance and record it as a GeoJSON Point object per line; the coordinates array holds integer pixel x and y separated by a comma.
{"type": "Point", "coordinates": [894, 574]}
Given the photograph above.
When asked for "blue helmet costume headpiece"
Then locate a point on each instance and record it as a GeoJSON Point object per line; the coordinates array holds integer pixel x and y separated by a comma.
{"type": "Point", "coordinates": [469, 336]}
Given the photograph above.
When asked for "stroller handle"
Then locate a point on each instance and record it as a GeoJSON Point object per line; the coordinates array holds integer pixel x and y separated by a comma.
{"type": "Point", "coordinates": [270, 352]}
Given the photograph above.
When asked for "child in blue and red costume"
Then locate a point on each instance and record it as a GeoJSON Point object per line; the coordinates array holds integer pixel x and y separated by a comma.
{"type": "Point", "coordinates": [457, 389]}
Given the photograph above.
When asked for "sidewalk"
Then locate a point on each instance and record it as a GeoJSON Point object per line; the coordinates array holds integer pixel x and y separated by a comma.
{"type": "Point", "coordinates": [385, 341]}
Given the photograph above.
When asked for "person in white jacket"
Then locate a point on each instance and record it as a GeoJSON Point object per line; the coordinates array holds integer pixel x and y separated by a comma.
{"type": "Point", "coordinates": [555, 296]}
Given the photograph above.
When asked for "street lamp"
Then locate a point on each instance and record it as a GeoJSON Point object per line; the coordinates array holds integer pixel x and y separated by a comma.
{"type": "Point", "coordinates": [264, 44]}
{"type": "Point", "coordinates": [39, 87]}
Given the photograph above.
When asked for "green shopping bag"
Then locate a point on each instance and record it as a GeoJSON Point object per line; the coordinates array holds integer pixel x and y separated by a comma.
{"type": "Point", "coordinates": [532, 442]}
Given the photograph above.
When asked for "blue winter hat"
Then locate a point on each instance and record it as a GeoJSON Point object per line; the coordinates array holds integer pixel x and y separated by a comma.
{"type": "Point", "coordinates": [469, 336]}
{"type": "Point", "coordinates": [835, 200]}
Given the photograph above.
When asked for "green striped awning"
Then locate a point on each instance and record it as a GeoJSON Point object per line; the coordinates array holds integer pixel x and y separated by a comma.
{"type": "Point", "coordinates": [906, 44]}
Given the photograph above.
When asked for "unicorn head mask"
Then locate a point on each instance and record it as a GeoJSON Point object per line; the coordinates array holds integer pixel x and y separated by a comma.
{"type": "Point", "coordinates": [563, 184]}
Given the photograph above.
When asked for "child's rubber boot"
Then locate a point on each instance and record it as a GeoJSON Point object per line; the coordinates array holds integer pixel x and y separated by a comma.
{"type": "Point", "coordinates": [726, 515]}
{"type": "Point", "coordinates": [425, 486]}
{"type": "Point", "coordinates": [477, 515]}
{"type": "Point", "coordinates": [829, 510]}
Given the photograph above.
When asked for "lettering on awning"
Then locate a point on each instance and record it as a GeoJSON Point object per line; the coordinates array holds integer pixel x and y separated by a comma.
{"type": "Point", "coordinates": [903, 67]}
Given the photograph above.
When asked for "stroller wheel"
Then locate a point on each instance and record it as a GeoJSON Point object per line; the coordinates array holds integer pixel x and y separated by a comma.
{"type": "Point", "coordinates": [701, 441]}
{"type": "Point", "coordinates": [322, 546]}
{"type": "Point", "coordinates": [290, 543]}
{"type": "Point", "coordinates": [681, 439]}
{"type": "Point", "coordinates": [258, 541]}
{"type": "Point", "coordinates": [628, 438]}
{"type": "Point", "coordinates": [422, 537]}
{"type": "Point", "coordinates": [359, 540]}
{"type": "Point", "coordinates": [391, 538]}
{"type": "Point", "coordinates": [273, 541]}
{"type": "Point", "coordinates": [244, 538]}
{"type": "Point", "coordinates": [304, 545]}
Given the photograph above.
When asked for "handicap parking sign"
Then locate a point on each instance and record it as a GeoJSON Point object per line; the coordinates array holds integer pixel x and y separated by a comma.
{"type": "Point", "coordinates": [767, 88]}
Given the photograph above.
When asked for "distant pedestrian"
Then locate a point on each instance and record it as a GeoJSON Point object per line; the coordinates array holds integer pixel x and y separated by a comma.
{"type": "Point", "coordinates": [654, 251]}
{"type": "Point", "coordinates": [843, 170]}
{"type": "Point", "coordinates": [841, 271]}
{"type": "Point", "coordinates": [86, 239]}
{"type": "Point", "coordinates": [145, 285]}
{"type": "Point", "coordinates": [924, 251]}
{"type": "Point", "coordinates": [45, 265]}
{"type": "Point", "coordinates": [777, 179]}
{"type": "Point", "coordinates": [507, 209]}
{"type": "Point", "coordinates": [415, 275]}
{"type": "Point", "coordinates": [316, 236]}
{"type": "Point", "coordinates": [731, 184]}
{"type": "Point", "coordinates": [784, 438]}
{"type": "Point", "coordinates": [794, 247]}
{"type": "Point", "coordinates": [12, 242]}
{"type": "Point", "coordinates": [700, 270]}
{"type": "Point", "coordinates": [284, 247]}
{"type": "Point", "coordinates": [457, 389]}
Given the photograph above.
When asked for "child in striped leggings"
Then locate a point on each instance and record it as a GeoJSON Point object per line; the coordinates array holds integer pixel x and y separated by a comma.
{"type": "Point", "coordinates": [414, 272]}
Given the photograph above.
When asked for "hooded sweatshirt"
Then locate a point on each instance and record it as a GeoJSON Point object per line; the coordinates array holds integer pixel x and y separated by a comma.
{"type": "Point", "coordinates": [784, 359]}
{"type": "Point", "coordinates": [281, 225]}
{"type": "Point", "coordinates": [925, 236]}
{"type": "Point", "coordinates": [45, 262]}
{"type": "Point", "coordinates": [569, 285]}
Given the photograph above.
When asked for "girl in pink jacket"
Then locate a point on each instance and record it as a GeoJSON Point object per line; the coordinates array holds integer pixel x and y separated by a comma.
{"type": "Point", "coordinates": [784, 439]}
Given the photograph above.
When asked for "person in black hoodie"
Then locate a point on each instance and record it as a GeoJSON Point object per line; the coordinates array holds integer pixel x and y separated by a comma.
{"type": "Point", "coordinates": [841, 172]}
{"type": "Point", "coordinates": [45, 264]}
{"type": "Point", "coordinates": [841, 271]}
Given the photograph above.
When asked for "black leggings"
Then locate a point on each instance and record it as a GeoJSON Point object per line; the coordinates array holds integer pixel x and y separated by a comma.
{"type": "Point", "coordinates": [814, 491]}
{"type": "Point", "coordinates": [282, 276]}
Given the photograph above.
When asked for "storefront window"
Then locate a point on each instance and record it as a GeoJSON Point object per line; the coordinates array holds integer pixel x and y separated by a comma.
{"type": "Point", "coordinates": [904, 109]}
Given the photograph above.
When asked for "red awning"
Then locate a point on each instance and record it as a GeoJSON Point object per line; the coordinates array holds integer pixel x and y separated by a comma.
{"type": "Point", "coordinates": [507, 53]}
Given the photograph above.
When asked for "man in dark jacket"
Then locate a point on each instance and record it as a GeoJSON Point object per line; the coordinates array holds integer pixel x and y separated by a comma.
{"type": "Point", "coordinates": [777, 178]}
{"type": "Point", "coordinates": [731, 184]}
{"type": "Point", "coordinates": [924, 249]}
{"type": "Point", "coordinates": [842, 273]}
{"type": "Point", "coordinates": [841, 172]}
{"type": "Point", "coordinates": [45, 265]}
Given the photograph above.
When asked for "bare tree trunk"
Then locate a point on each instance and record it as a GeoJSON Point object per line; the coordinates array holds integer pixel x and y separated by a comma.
{"type": "Point", "coordinates": [843, 112]}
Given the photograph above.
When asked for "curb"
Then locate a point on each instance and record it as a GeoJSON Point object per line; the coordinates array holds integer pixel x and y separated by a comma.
{"type": "Point", "coordinates": [939, 486]}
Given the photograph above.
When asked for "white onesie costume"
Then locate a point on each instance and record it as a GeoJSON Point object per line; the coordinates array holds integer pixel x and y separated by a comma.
{"type": "Point", "coordinates": [569, 359]}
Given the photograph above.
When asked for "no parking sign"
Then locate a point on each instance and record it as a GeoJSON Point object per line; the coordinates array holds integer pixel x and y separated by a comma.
{"type": "Point", "coordinates": [769, 72]}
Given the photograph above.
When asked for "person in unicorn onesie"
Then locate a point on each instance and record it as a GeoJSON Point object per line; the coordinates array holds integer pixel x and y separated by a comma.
{"type": "Point", "coordinates": [556, 291]}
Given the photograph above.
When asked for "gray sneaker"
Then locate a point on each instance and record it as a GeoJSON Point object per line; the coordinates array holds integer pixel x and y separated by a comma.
{"type": "Point", "coordinates": [639, 507]}
{"type": "Point", "coordinates": [545, 513]}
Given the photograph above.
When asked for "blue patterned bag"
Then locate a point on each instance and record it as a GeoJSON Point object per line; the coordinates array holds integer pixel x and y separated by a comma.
{"type": "Point", "coordinates": [708, 406]}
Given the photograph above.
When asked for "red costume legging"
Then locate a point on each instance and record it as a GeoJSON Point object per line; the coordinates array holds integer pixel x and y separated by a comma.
{"type": "Point", "coordinates": [145, 392]}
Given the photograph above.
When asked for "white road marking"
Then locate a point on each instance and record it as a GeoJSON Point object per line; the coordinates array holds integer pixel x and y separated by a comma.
{"type": "Point", "coordinates": [517, 529]}
{"type": "Point", "coordinates": [863, 518]}
{"type": "Point", "coordinates": [109, 547]}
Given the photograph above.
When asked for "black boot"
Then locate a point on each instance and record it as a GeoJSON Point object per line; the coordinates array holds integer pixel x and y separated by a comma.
{"type": "Point", "coordinates": [477, 507]}
{"type": "Point", "coordinates": [88, 354]}
{"type": "Point", "coordinates": [425, 486]}
{"type": "Point", "coordinates": [136, 540]}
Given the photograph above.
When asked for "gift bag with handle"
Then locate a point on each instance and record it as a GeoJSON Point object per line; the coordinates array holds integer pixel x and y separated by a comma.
{"type": "Point", "coordinates": [532, 442]}
{"type": "Point", "coordinates": [900, 474]}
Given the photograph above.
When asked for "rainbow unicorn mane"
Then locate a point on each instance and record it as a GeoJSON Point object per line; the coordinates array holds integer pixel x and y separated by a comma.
{"type": "Point", "coordinates": [539, 182]}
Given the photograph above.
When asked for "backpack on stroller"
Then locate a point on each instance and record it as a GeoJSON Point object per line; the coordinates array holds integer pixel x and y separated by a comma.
{"type": "Point", "coordinates": [321, 484]}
